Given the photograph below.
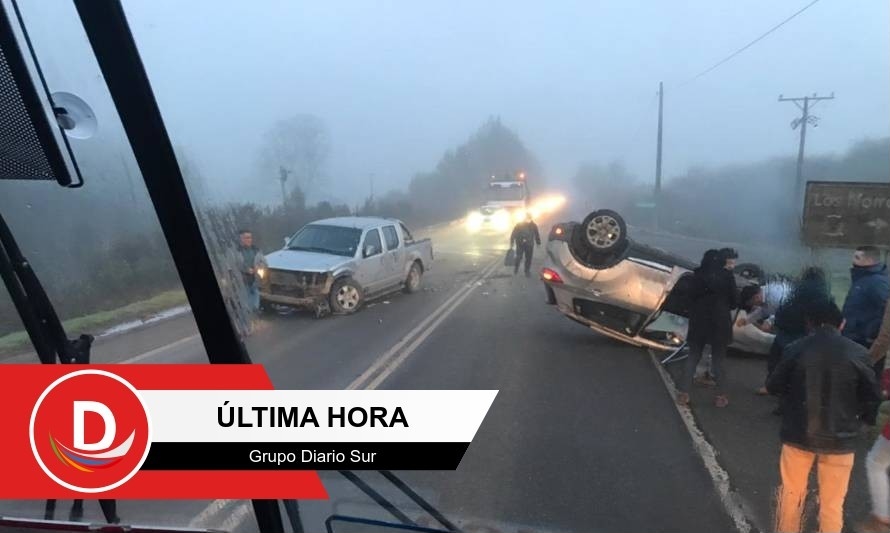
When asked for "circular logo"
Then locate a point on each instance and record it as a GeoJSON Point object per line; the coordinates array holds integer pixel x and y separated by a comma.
{"type": "Point", "coordinates": [90, 431]}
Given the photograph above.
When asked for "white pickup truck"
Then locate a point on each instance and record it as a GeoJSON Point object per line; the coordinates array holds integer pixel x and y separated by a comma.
{"type": "Point", "coordinates": [337, 263]}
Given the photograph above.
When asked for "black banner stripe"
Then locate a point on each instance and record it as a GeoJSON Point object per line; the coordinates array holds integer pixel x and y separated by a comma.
{"type": "Point", "coordinates": [305, 456]}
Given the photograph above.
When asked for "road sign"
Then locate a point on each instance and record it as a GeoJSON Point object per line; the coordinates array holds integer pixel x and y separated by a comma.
{"type": "Point", "coordinates": [847, 214]}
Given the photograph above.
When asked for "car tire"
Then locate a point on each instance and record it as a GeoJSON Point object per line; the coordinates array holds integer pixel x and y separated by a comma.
{"type": "Point", "coordinates": [750, 272]}
{"type": "Point", "coordinates": [346, 296]}
{"type": "Point", "coordinates": [415, 275]}
{"type": "Point", "coordinates": [592, 259]}
{"type": "Point", "coordinates": [604, 232]}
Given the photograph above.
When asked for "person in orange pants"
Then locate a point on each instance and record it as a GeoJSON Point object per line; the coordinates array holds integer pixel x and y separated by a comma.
{"type": "Point", "coordinates": [828, 388]}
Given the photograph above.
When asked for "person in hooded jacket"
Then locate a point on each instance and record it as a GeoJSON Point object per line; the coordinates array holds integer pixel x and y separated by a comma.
{"type": "Point", "coordinates": [710, 319]}
{"type": "Point", "coordinates": [867, 298]}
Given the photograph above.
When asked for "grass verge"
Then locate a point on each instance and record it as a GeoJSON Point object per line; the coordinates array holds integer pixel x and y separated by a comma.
{"type": "Point", "coordinates": [18, 341]}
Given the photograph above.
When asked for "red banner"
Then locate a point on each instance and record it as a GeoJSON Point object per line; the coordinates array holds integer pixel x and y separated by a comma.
{"type": "Point", "coordinates": [54, 448]}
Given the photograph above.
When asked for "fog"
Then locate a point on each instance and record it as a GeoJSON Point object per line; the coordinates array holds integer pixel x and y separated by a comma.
{"type": "Point", "coordinates": [398, 83]}
{"type": "Point", "coordinates": [427, 99]}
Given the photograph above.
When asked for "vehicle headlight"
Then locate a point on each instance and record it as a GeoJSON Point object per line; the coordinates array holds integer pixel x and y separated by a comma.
{"type": "Point", "coordinates": [501, 220]}
{"type": "Point", "coordinates": [261, 273]}
{"type": "Point", "coordinates": [519, 215]}
{"type": "Point", "coordinates": [474, 221]}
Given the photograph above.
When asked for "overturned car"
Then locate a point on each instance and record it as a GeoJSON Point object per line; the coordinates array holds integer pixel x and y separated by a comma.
{"type": "Point", "coordinates": [599, 277]}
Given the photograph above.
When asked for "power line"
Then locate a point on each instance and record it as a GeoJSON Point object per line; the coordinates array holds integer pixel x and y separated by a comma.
{"type": "Point", "coordinates": [752, 43]}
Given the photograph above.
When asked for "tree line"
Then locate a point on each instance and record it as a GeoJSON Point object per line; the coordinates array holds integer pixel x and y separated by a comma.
{"type": "Point", "coordinates": [745, 202]}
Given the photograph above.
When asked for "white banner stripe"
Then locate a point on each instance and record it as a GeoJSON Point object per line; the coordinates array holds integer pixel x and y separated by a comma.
{"type": "Point", "coordinates": [431, 416]}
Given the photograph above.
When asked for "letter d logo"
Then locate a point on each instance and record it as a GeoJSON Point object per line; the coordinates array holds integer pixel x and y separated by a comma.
{"type": "Point", "coordinates": [80, 408]}
{"type": "Point", "coordinates": [90, 431]}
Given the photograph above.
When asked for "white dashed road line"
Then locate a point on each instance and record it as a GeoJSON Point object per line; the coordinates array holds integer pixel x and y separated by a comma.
{"type": "Point", "coordinates": [389, 361]}
{"type": "Point", "coordinates": [370, 379]}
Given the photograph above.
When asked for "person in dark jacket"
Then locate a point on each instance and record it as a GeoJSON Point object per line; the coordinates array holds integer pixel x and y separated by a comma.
{"type": "Point", "coordinates": [810, 291]}
{"type": "Point", "coordinates": [865, 302]}
{"type": "Point", "coordinates": [524, 237]}
{"type": "Point", "coordinates": [828, 390]}
{"type": "Point", "coordinates": [252, 263]}
{"type": "Point", "coordinates": [710, 318]}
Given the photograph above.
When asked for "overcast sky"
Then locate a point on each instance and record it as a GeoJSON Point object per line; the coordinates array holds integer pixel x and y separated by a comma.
{"type": "Point", "coordinates": [400, 82]}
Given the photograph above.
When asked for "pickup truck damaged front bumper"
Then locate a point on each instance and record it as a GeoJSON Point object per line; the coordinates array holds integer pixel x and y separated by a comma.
{"type": "Point", "coordinates": [296, 289]}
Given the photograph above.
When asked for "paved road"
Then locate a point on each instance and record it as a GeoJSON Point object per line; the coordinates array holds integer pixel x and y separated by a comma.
{"type": "Point", "coordinates": [582, 437]}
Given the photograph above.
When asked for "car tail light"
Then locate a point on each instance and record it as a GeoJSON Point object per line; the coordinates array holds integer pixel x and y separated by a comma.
{"type": "Point", "coordinates": [550, 275]}
{"type": "Point", "coordinates": [560, 232]}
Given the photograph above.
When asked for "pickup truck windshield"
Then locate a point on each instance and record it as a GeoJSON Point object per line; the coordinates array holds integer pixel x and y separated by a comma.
{"type": "Point", "coordinates": [326, 240]}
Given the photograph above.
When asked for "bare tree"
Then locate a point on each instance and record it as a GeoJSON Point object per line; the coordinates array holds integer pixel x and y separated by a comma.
{"type": "Point", "coordinates": [301, 145]}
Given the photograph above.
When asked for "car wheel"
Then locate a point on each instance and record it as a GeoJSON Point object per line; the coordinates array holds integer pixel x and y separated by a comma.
{"type": "Point", "coordinates": [592, 258]}
{"type": "Point", "coordinates": [412, 282]}
{"type": "Point", "coordinates": [750, 272]}
{"type": "Point", "coordinates": [604, 231]}
{"type": "Point", "coordinates": [346, 296]}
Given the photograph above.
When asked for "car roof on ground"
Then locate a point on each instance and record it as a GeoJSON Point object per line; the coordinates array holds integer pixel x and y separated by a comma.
{"type": "Point", "coordinates": [354, 222]}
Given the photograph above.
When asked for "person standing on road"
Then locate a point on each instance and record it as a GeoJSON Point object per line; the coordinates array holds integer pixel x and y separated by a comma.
{"type": "Point", "coordinates": [877, 464]}
{"type": "Point", "coordinates": [252, 261]}
{"type": "Point", "coordinates": [789, 325]}
{"type": "Point", "coordinates": [828, 390]}
{"type": "Point", "coordinates": [524, 237]}
{"type": "Point", "coordinates": [867, 298]}
{"type": "Point", "coordinates": [751, 331]}
{"type": "Point", "coordinates": [710, 319]}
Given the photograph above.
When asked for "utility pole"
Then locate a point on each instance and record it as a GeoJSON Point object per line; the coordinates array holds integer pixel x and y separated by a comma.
{"type": "Point", "coordinates": [658, 155]}
{"type": "Point", "coordinates": [282, 177]}
{"type": "Point", "coordinates": [805, 118]}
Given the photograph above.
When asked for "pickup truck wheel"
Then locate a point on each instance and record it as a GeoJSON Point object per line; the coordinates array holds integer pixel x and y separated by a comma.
{"type": "Point", "coordinates": [346, 296]}
{"type": "Point", "coordinates": [412, 282]}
